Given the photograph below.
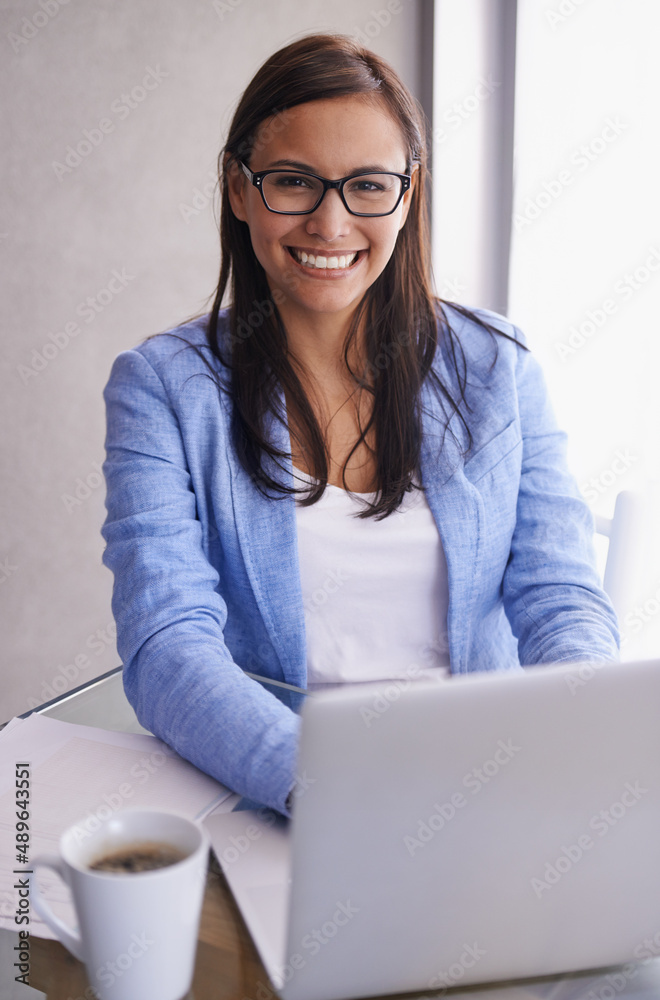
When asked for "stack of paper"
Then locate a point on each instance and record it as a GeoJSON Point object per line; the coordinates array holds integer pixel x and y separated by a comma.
{"type": "Point", "coordinates": [81, 775]}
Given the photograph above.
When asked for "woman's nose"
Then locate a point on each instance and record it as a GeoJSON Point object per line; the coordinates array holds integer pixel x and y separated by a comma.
{"type": "Point", "coordinates": [331, 220]}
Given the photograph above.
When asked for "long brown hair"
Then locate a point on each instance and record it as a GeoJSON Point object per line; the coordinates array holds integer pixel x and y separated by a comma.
{"type": "Point", "coordinates": [399, 313]}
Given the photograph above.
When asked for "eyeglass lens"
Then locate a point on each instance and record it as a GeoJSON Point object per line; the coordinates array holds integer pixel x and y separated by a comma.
{"type": "Point", "coordinates": [297, 192]}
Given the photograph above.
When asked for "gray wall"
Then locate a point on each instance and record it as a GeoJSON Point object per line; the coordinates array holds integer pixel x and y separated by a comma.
{"type": "Point", "coordinates": [99, 252]}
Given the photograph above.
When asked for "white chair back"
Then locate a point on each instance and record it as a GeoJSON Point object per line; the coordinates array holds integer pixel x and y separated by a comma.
{"type": "Point", "coordinates": [624, 531]}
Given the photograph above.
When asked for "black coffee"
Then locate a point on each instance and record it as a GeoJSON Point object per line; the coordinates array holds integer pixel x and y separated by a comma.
{"type": "Point", "coordinates": [138, 858]}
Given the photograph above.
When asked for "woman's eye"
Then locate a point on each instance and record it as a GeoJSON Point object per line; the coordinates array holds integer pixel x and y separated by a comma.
{"type": "Point", "coordinates": [366, 186]}
{"type": "Point", "coordinates": [290, 180]}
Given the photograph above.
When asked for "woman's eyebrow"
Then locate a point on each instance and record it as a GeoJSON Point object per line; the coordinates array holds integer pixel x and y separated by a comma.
{"type": "Point", "coordinates": [299, 165]}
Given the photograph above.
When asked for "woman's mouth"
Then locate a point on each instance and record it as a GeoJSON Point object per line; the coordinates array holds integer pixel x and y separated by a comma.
{"type": "Point", "coordinates": [325, 262]}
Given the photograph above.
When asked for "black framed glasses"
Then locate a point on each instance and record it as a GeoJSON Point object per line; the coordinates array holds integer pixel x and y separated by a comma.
{"type": "Point", "coordinates": [296, 192]}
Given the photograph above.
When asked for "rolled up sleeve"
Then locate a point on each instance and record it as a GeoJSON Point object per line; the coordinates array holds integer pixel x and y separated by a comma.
{"type": "Point", "coordinates": [552, 594]}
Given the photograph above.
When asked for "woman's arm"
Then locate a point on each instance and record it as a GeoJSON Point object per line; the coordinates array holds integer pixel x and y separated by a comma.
{"type": "Point", "coordinates": [552, 593]}
{"type": "Point", "coordinates": [178, 673]}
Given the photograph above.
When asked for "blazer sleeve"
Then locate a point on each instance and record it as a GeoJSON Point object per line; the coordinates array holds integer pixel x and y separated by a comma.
{"type": "Point", "coordinates": [552, 594]}
{"type": "Point", "coordinates": [178, 673]}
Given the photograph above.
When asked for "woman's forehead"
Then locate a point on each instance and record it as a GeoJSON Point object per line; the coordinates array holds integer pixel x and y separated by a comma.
{"type": "Point", "coordinates": [356, 129]}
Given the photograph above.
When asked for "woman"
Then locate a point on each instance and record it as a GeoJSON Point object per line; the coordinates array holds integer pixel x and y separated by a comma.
{"type": "Point", "coordinates": [338, 477]}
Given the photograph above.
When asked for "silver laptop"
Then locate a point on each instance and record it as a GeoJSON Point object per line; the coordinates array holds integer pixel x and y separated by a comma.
{"type": "Point", "coordinates": [490, 827]}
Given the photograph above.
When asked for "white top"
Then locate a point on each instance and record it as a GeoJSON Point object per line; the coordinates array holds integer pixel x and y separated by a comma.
{"type": "Point", "coordinates": [375, 593]}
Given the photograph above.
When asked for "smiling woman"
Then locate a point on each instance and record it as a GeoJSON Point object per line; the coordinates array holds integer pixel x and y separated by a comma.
{"type": "Point", "coordinates": [299, 215]}
{"type": "Point", "coordinates": [322, 244]}
{"type": "Point", "coordinates": [337, 477]}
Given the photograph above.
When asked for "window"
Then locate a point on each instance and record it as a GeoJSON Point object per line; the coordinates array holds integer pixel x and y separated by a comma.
{"type": "Point", "coordinates": [584, 235]}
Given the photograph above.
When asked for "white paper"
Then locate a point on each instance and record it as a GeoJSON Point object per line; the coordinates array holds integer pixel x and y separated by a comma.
{"type": "Point", "coordinates": [81, 775]}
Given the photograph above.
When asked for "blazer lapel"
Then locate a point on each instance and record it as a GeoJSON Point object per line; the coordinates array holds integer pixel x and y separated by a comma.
{"type": "Point", "coordinates": [457, 508]}
{"type": "Point", "coordinates": [267, 535]}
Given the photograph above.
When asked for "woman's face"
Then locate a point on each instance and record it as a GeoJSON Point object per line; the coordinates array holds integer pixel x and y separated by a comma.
{"type": "Point", "coordinates": [332, 138]}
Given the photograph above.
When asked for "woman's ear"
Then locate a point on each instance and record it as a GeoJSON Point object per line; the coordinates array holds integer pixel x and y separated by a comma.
{"type": "Point", "coordinates": [407, 198]}
{"type": "Point", "coordinates": [236, 187]}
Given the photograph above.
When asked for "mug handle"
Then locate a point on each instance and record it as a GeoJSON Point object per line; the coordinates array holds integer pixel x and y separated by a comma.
{"type": "Point", "coordinates": [69, 938]}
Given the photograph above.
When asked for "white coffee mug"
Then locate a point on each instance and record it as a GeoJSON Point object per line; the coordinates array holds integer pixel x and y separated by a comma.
{"type": "Point", "coordinates": [137, 931]}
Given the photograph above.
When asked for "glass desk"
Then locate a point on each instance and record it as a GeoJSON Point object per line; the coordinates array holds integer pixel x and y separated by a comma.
{"type": "Point", "coordinates": [227, 965]}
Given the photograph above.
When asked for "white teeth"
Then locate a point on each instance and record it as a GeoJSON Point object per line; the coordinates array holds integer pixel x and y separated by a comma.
{"type": "Point", "coordinates": [321, 263]}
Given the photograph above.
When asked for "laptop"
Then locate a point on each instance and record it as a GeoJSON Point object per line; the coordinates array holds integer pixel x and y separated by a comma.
{"type": "Point", "coordinates": [492, 827]}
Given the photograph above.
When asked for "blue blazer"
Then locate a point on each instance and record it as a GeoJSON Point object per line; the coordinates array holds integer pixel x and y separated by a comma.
{"type": "Point", "coordinates": [207, 584]}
